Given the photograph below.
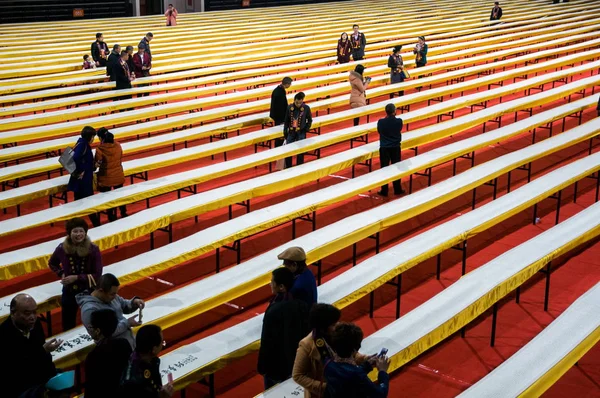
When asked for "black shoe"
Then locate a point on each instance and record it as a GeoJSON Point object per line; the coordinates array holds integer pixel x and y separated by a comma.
{"type": "Point", "coordinates": [381, 193]}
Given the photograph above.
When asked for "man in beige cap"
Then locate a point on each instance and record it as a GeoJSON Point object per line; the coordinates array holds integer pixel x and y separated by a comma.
{"type": "Point", "coordinates": [305, 285]}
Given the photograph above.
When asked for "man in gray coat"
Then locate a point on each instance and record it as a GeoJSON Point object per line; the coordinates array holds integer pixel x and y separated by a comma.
{"type": "Point", "coordinates": [105, 296]}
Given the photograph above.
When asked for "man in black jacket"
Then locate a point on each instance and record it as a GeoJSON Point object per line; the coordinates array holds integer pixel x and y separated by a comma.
{"type": "Point", "coordinates": [99, 50]}
{"type": "Point", "coordinates": [145, 42]}
{"type": "Point", "coordinates": [297, 122]}
{"type": "Point", "coordinates": [113, 60]}
{"type": "Point", "coordinates": [496, 13]}
{"type": "Point", "coordinates": [142, 378]}
{"type": "Point", "coordinates": [390, 137]}
{"type": "Point", "coordinates": [279, 105]}
{"type": "Point", "coordinates": [285, 323]}
{"type": "Point", "coordinates": [106, 363]}
{"type": "Point", "coordinates": [26, 360]}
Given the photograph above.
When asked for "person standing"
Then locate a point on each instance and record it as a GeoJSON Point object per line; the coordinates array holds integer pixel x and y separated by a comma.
{"type": "Point", "coordinates": [314, 349]}
{"type": "Point", "coordinates": [113, 60]}
{"type": "Point", "coordinates": [109, 159]}
{"type": "Point", "coordinates": [305, 285]}
{"type": "Point", "coordinates": [390, 138]}
{"type": "Point", "coordinates": [26, 359]}
{"type": "Point", "coordinates": [81, 182]}
{"type": "Point", "coordinates": [359, 42]}
{"type": "Point", "coordinates": [420, 52]}
{"type": "Point", "coordinates": [145, 42]}
{"type": "Point", "coordinates": [297, 123]}
{"type": "Point", "coordinates": [344, 49]}
{"type": "Point", "coordinates": [142, 63]}
{"type": "Point", "coordinates": [496, 13]}
{"type": "Point", "coordinates": [105, 296]}
{"type": "Point", "coordinates": [142, 378]}
{"type": "Point", "coordinates": [130, 64]}
{"type": "Point", "coordinates": [285, 323]}
{"type": "Point", "coordinates": [99, 50]}
{"type": "Point", "coordinates": [279, 105]}
{"type": "Point", "coordinates": [105, 364]}
{"type": "Point", "coordinates": [358, 89]}
{"type": "Point", "coordinates": [171, 15]}
{"type": "Point", "coordinates": [396, 65]}
{"type": "Point", "coordinates": [77, 262]}
{"type": "Point", "coordinates": [123, 76]}
{"type": "Point", "coordinates": [344, 377]}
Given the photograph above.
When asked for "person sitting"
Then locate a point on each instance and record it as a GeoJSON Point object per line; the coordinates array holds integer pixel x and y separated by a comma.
{"type": "Point", "coordinates": [77, 262]}
{"type": "Point", "coordinates": [107, 361]}
{"type": "Point", "coordinates": [109, 160]}
{"type": "Point", "coordinates": [105, 296]}
{"type": "Point", "coordinates": [285, 323]}
{"type": "Point", "coordinates": [305, 285]}
{"type": "Point", "coordinates": [142, 378]}
{"type": "Point", "coordinates": [344, 377]}
{"type": "Point", "coordinates": [297, 123]}
{"type": "Point", "coordinates": [88, 62]}
{"type": "Point", "coordinates": [26, 359]}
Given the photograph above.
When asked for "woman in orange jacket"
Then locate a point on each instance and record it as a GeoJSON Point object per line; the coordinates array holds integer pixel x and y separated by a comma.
{"type": "Point", "coordinates": [109, 157]}
{"type": "Point", "coordinates": [308, 366]}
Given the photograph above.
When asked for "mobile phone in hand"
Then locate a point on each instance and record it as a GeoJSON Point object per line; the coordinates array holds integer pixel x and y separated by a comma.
{"type": "Point", "coordinates": [383, 352]}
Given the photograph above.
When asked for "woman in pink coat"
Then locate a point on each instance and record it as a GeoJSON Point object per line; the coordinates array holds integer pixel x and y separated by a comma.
{"type": "Point", "coordinates": [358, 85]}
{"type": "Point", "coordinates": [171, 15]}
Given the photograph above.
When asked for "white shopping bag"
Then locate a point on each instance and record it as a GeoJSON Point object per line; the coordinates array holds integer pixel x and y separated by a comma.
{"type": "Point", "coordinates": [280, 163]}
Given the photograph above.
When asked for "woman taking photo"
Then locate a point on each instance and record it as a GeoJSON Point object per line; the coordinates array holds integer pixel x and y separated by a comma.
{"type": "Point", "coordinates": [396, 65]}
{"type": "Point", "coordinates": [344, 49]}
{"type": "Point", "coordinates": [358, 85]}
{"type": "Point", "coordinates": [78, 265]}
{"type": "Point", "coordinates": [308, 366]}
{"type": "Point", "coordinates": [109, 160]}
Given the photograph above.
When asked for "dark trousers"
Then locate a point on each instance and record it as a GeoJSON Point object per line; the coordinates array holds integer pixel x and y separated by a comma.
{"type": "Point", "coordinates": [69, 309]}
{"type": "Point", "coordinates": [93, 217]}
{"type": "Point", "coordinates": [269, 382]}
{"type": "Point", "coordinates": [300, 156]}
{"type": "Point", "coordinates": [387, 156]}
{"type": "Point", "coordinates": [356, 121]}
{"type": "Point", "coordinates": [112, 213]}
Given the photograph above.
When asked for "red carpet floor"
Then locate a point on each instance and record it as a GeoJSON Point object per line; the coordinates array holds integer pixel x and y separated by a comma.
{"type": "Point", "coordinates": [447, 369]}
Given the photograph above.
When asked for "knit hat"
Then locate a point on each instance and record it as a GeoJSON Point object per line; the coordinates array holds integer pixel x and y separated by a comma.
{"type": "Point", "coordinates": [293, 253]}
{"type": "Point", "coordinates": [76, 223]}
